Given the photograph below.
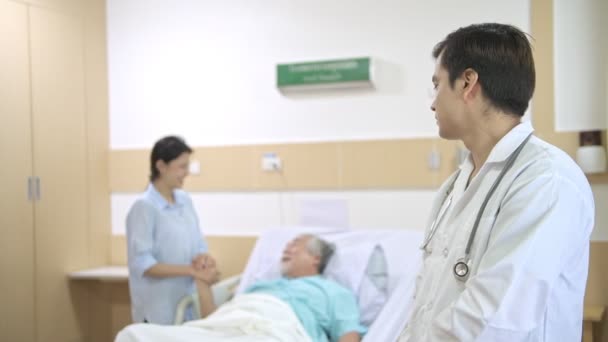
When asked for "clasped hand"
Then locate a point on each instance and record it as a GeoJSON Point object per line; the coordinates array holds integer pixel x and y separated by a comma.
{"type": "Point", "coordinates": [205, 269]}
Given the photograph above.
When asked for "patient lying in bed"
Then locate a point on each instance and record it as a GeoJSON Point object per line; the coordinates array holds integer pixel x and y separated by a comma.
{"type": "Point", "coordinates": [300, 306]}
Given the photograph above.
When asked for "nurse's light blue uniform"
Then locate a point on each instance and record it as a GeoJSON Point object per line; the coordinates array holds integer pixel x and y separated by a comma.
{"type": "Point", "coordinates": [160, 232]}
{"type": "Point", "coordinates": [326, 309]}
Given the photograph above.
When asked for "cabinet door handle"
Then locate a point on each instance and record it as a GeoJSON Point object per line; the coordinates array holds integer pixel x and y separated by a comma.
{"type": "Point", "coordinates": [37, 188]}
{"type": "Point", "coordinates": [30, 190]}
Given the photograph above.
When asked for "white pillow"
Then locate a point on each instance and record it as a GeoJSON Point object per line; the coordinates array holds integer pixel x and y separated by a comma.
{"type": "Point", "coordinates": [361, 267]}
{"type": "Point", "coordinates": [264, 261]}
{"type": "Point", "coordinates": [359, 263]}
{"type": "Point", "coordinates": [373, 292]}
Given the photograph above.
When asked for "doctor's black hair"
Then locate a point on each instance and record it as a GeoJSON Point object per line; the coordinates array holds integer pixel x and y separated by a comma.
{"type": "Point", "coordinates": [166, 149]}
{"type": "Point", "coordinates": [502, 57]}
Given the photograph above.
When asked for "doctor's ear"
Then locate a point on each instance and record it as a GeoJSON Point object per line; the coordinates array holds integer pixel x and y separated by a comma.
{"type": "Point", "coordinates": [470, 77]}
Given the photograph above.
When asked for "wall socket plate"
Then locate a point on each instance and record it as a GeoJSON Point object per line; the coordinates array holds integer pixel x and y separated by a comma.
{"type": "Point", "coordinates": [271, 162]}
{"type": "Point", "coordinates": [434, 160]}
{"type": "Point", "coordinates": [194, 168]}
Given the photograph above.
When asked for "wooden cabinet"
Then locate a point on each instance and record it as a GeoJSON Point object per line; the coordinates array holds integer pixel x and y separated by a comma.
{"type": "Point", "coordinates": [16, 210]}
{"type": "Point", "coordinates": [44, 154]}
{"type": "Point", "coordinates": [59, 156]}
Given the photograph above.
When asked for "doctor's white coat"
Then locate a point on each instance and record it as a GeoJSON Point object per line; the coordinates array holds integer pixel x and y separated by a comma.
{"type": "Point", "coordinates": [529, 257]}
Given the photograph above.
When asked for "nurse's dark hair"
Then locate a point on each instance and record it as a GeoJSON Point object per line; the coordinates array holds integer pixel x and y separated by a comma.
{"type": "Point", "coordinates": [321, 248]}
{"type": "Point", "coordinates": [166, 149]}
{"type": "Point", "coordinates": [502, 57]}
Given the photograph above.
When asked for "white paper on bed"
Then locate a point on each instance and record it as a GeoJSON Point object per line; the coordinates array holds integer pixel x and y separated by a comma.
{"type": "Point", "coordinates": [246, 318]}
{"type": "Point", "coordinates": [324, 212]}
{"type": "Point", "coordinates": [402, 252]}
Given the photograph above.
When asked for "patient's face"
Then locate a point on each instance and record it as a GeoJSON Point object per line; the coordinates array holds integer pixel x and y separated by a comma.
{"type": "Point", "coordinates": [297, 261]}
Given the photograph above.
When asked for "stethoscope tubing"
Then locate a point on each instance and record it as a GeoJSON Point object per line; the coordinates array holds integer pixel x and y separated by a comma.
{"type": "Point", "coordinates": [463, 262]}
{"type": "Point", "coordinates": [502, 174]}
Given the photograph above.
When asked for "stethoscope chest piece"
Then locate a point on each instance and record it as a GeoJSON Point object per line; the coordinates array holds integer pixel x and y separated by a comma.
{"type": "Point", "coordinates": [461, 270]}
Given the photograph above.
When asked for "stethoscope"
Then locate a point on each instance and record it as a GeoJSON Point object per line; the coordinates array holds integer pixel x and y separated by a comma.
{"type": "Point", "coordinates": [461, 267]}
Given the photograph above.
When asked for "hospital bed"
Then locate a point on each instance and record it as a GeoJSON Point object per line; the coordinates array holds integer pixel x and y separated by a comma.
{"type": "Point", "coordinates": [222, 292]}
{"type": "Point", "coordinates": [379, 266]}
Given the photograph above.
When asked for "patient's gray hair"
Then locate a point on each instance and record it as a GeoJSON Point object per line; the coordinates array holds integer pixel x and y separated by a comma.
{"type": "Point", "coordinates": [321, 248]}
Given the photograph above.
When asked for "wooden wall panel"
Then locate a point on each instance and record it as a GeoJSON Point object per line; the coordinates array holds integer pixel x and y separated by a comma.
{"type": "Point", "coordinates": [597, 284]}
{"type": "Point", "coordinates": [395, 163]}
{"type": "Point", "coordinates": [315, 166]}
{"type": "Point", "coordinates": [121, 307]}
{"type": "Point", "coordinates": [231, 252]}
{"type": "Point", "coordinates": [310, 166]}
{"type": "Point", "coordinates": [380, 164]}
{"type": "Point", "coordinates": [128, 170]}
{"type": "Point", "coordinates": [222, 168]}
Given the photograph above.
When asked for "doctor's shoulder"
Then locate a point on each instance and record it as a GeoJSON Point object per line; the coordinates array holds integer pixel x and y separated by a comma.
{"type": "Point", "coordinates": [551, 159]}
{"type": "Point", "coordinates": [547, 161]}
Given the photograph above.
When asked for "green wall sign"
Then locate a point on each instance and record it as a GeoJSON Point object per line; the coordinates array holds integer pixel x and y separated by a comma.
{"type": "Point", "coordinates": [339, 73]}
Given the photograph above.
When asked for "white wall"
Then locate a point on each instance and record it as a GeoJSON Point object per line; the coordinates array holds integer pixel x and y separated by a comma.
{"type": "Point", "coordinates": [581, 57]}
{"type": "Point", "coordinates": [206, 69]}
{"type": "Point", "coordinates": [253, 213]}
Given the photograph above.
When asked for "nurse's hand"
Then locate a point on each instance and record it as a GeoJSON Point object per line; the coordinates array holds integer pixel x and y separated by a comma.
{"type": "Point", "coordinates": [202, 261]}
{"type": "Point", "coordinates": [209, 275]}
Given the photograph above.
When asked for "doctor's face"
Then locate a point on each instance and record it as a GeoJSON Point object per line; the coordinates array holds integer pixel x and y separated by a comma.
{"type": "Point", "coordinates": [297, 260]}
{"type": "Point", "coordinates": [448, 104]}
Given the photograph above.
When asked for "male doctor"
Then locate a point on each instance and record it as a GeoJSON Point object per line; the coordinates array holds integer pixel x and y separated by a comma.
{"type": "Point", "coordinates": [506, 254]}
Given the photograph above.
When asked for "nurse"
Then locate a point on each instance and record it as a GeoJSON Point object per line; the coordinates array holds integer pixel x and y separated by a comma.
{"type": "Point", "coordinates": [166, 250]}
{"type": "Point", "coordinates": [506, 252]}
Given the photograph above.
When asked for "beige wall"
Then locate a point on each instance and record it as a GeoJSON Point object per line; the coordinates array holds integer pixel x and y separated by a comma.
{"type": "Point", "coordinates": [382, 164]}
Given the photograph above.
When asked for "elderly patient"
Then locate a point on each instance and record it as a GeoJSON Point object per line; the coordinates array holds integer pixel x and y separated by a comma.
{"type": "Point", "coordinates": [322, 310]}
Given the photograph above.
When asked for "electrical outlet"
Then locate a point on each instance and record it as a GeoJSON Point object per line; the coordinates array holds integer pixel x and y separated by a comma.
{"type": "Point", "coordinates": [434, 160]}
{"type": "Point", "coordinates": [194, 168]}
{"type": "Point", "coordinates": [271, 162]}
